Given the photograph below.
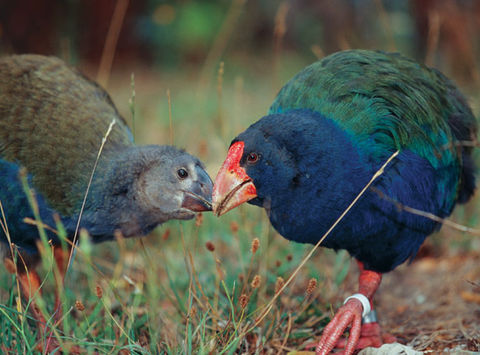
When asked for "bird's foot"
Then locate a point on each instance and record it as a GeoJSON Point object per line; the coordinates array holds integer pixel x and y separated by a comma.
{"type": "Point", "coordinates": [370, 336]}
{"type": "Point", "coordinates": [350, 314]}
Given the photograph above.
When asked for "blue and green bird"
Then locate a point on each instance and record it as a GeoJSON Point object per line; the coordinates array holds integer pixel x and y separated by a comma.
{"type": "Point", "coordinates": [329, 130]}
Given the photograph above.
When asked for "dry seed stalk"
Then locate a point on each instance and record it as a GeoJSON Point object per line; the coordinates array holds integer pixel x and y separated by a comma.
{"type": "Point", "coordinates": [255, 245]}
{"type": "Point", "coordinates": [256, 282]}
{"type": "Point", "coordinates": [312, 285]}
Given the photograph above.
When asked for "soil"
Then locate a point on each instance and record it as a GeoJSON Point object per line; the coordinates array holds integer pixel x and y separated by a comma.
{"type": "Point", "coordinates": [433, 304]}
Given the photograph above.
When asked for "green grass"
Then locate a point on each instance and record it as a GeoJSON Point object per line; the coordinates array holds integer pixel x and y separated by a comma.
{"type": "Point", "coordinates": [171, 296]}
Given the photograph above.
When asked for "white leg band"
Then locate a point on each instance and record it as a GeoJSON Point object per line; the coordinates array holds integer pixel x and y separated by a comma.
{"type": "Point", "coordinates": [364, 300]}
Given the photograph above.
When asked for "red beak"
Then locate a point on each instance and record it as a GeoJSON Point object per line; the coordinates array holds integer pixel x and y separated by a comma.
{"type": "Point", "coordinates": [232, 185]}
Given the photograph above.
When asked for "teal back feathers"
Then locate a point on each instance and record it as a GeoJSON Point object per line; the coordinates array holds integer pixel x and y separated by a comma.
{"type": "Point", "coordinates": [386, 98]}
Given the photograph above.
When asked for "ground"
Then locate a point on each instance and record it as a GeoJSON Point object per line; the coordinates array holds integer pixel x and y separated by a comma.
{"type": "Point", "coordinates": [434, 303]}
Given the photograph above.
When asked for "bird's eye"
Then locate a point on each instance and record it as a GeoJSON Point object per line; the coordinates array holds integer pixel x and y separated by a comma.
{"type": "Point", "coordinates": [182, 173]}
{"type": "Point", "coordinates": [252, 158]}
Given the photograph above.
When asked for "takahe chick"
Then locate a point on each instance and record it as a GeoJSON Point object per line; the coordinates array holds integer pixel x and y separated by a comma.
{"type": "Point", "coordinates": [52, 121]}
{"type": "Point", "coordinates": [327, 133]}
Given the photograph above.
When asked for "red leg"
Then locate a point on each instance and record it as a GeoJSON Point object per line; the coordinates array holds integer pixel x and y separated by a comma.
{"type": "Point", "coordinates": [350, 314]}
{"type": "Point", "coordinates": [61, 258]}
{"type": "Point", "coordinates": [31, 287]}
{"type": "Point", "coordinates": [30, 284]}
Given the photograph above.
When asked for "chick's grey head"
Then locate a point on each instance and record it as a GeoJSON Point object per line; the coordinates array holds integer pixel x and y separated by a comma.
{"type": "Point", "coordinates": [173, 184]}
{"type": "Point", "coordinates": [140, 187]}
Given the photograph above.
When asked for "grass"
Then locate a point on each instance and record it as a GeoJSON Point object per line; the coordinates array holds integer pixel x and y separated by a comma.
{"type": "Point", "coordinates": [144, 306]}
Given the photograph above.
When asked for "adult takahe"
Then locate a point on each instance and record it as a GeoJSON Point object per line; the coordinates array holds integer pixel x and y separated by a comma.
{"type": "Point", "coordinates": [329, 130]}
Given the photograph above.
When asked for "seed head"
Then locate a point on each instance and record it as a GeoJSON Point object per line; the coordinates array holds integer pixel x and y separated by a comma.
{"type": "Point", "coordinates": [279, 284]}
{"type": "Point", "coordinates": [79, 305]}
{"type": "Point", "coordinates": [210, 246]}
{"type": "Point", "coordinates": [243, 300]}
{"type": "Point", "coordinates": [234, 227]}
{"type": "Point", "coordinates": [202, 148]}
{"type": "Point", "coordinates": [278, 263]}
{"type": "Point", "coordinates": [199, 219]}
{"type": "Point", "coordinates": [256, 281]}
{"type": "Point", "coordinates": [118, 234]}
{"type": "Point", "coordinates": [255, 245]}
{"type": "Point", "coordinates": [289, 257]}
{"type": "Point", "coordinates": [99, 291]}
{"type": "Point", "coordinates": [10, 266]}
{"type": "Point", "coordinates": [312, 285]}
{"type": "Point", "coordinates": [166, 234]}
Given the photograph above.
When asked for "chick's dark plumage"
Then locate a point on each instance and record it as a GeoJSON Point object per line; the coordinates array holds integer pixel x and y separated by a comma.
{"type": "Point", "coordinates": [52, 120]}
{"type": "Point", "coordinates": [329, 130]}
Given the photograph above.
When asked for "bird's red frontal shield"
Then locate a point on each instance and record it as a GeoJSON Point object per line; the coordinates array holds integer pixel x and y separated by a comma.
{"type": "Point", "coordinates": [232, 185]}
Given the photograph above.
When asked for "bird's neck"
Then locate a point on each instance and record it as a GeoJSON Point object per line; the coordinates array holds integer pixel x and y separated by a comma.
{"type": "Point", "coordinates": [111, 205]}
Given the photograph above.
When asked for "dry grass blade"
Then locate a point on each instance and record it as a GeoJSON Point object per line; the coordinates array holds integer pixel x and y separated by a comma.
{"type": "Point", "coordinates": [220, 42]}
{"type": "Point", "coordinates": [111, 42]}
{"type": "Point", "coordinates": [3, 223]}
{"type": "Point", "coordinates": [75, 235]}
{"type": "Point", "coordinates": [428, 215]}
{"type": "Point", "coordinates": [386, 25]}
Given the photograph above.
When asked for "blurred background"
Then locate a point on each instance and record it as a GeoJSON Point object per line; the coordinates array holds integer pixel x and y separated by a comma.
{"type": "Point", "coordinates": [217, 58]}
{"type": "Point", "coordinates": [182, 34]}
{"type": "Point", "coordinates": [195, 73]}
{"type": "Point", "coordinates": [179, 45]}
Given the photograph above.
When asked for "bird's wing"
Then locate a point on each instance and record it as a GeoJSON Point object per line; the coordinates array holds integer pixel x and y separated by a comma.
{"type": "Point", "coordinates": [52, 121]}
{"type": "Point", "coordinates": [385, 100]}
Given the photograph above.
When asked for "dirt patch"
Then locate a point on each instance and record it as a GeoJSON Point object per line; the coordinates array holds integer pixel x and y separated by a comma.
{"type": "Point", "coordinates": [434, 303]}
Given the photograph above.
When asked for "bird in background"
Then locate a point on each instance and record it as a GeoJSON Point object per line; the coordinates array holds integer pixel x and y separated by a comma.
{"type": "Point", "coordinates": [328, 132]}
{"type": "Point", "coordinates": [52, 121]}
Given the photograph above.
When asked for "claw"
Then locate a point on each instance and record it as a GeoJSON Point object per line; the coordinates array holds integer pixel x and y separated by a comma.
{"type": "Point", "coordinates": [371, 336]}
{"type": "Point", "coordinates": [349, 314]}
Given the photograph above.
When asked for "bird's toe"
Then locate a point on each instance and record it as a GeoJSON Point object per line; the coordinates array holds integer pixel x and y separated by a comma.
{"type": "Point", "coordinates": [350, 314]}
{"type": "Point", "coordinates": [371, 336]}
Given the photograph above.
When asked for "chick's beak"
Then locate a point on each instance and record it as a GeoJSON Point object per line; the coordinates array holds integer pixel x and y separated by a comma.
{"type": "Point", "coordinates": [232, 185]}
{"type": "Point", "coordinates": [199, 197]}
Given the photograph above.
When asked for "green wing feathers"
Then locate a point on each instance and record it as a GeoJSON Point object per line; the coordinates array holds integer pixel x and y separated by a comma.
{"type": "Point", "coordinates": [387, 98]}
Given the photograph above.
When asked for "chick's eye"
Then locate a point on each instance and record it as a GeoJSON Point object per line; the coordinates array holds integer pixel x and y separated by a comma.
{"type": "Point", "coordinates": [182, 173]}
{"type": "Point", "coordinates": [252, 158]}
